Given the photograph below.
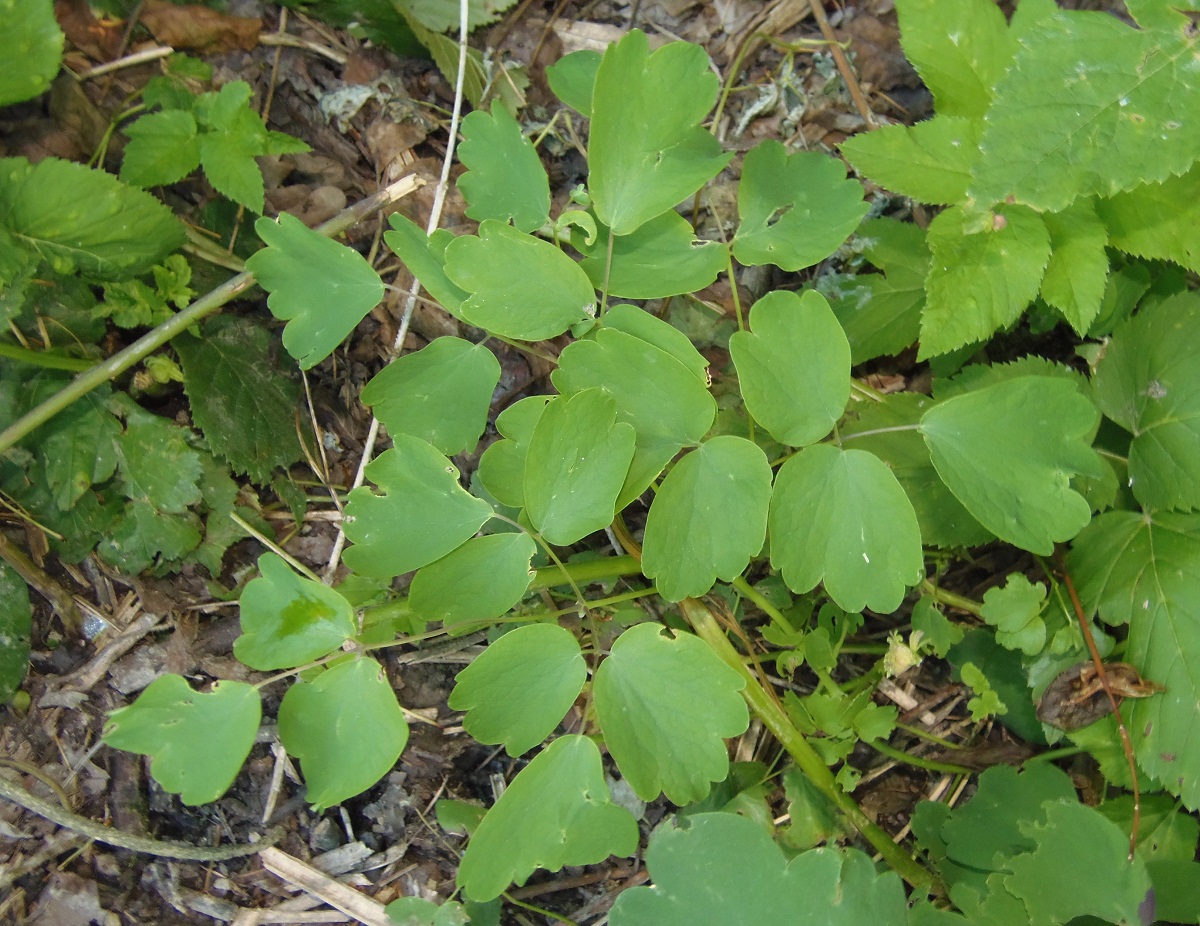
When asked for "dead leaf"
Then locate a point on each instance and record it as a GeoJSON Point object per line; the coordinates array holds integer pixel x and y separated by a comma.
{"type": "Point", "coordinates": [1076, 698]}
{"type": "Point", "coordinates": [199, 28]}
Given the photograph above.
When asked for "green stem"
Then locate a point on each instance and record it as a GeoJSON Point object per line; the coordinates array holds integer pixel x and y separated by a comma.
{"type": "Point", "coordinates": [928, 764]}
{"type": "Point", "coordinates": [803, 754]}
{"type": "Point", "coordinates": [951, 599]}
{"type": "Point", "coordinates": [610, 567]}
{"type": "Point", "coordinates": [762, 604]}
{"type": "Point", "coordinates": [50, 359]}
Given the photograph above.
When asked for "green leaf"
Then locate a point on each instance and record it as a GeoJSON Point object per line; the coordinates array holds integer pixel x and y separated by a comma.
{"type": "Point", "coordinates": [793, 366]}
{"type": "Point", "coordinates": [1078, 267]}
{"type": "Point", "coordinates": [479, 581]}
{"type": "Point", "coordinates": [502, 465]}
{"type": "Point", "coordinates": [80, 449]}
{"type": "Point", "coordinates": [240, 398]}
{"type": "Point", "coordinates": [546, 295]}
{"type": "Point", "coordinates": [1149, 383]}
{"type": "Point", "coordinates": [322, 289]}
{"type": "Point", "coordinates": [1166, 832]}
{"type": "Point", "coordinates": [666, 704]}
{"type": "Point", "coordinates": [425, 257]}
{"type": "Point", "coordinates": [440, 393]}
{"type": "Point", "coordinates": [144, 536]}
{"type": "Point", "coordinates": [573, 78]}
{"type": "Point", "coordinates": [417, 911]}
{"type": "Point", "coordinates": [662, 334]}
{"type": "Point", "coordinates": [576, 463]}
{"type": "Point", "coordinates": [937, 631]}
{"type": "Point", "coordinates": [83, 220]}
{"type": "Point", "coordinates": [345, 727]}
{"type": "Point", "coordinates": [197, 742]}
{"type": "Point", "coordinates": [980, 280]}
{"type": "Point", "coordinates": [421, 516]}
{"type": "Point", "coordinates": [34, 46]}
{"type": "Point", "coordinates": [1157, 220]}
{"type": "Point", "coordinates": [163, 148]}
{"type": "Point", "coordinates": [795, 209]}
{"type": "Point", "coordinates": [1008, 453]}
{"type": "Point", "coordinates": [16, 627]}
{"type": "Point", "coordinates": [647, 151]}
{"type": "Point", "coordinates": [445, 53]}
{"type": "Point", "coordinates": [443, 15]}
{"type": "Point", "coordinates": [520, 688]}
{"type": "Point", "coordinates": [288, 620]}
{"type": "Point", "coordinates": [158, 468]}
{"type": "Point", "coordinates": [504, 178]}
{"type": "Point", "coordinates": [1015, 610]}
{"type": "Point", "coordinates": [558, 811]}
{"type": "Point", "coordinates": [708, 518]}
{"type": "Point", "coordinates": [1120, 116]}
{"type": "Point", "coordinates": [840, 516]}
{"type": "Point", "coordinates": [725, 868]}
{"type": "Point", "coordinates": [930, 161]}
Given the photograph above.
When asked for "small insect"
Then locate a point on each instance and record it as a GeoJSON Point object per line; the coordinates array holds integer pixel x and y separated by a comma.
{"type": "Point", "coordinates": [1076, 698]}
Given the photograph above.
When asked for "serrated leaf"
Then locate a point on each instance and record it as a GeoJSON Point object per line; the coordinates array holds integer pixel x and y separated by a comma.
{"type": "Point", "coordinates": [1122, 113]}
{"type": "Point", "coordinates": [793, 366]}
{"type": "Point", "coordinates": [421, 516]}
{"type": "Point", "coordinates": [1149, 383]}
{"type": "Point", "coordinates": [930, 161]}
{"type": "Point", "coordinates": [163, 147]}
{"type": "Point", "coordinates": [840, 516]}
{"type": "Point", "coordinates": [16, 627]}
{"type": "Point", "coordinates": [1078, 267]}
{"type": "Point", "coordinates": [197, 742]}
{"type": "Point", "coordinates": [520, 688]}
{"type": "Point", "coordinates": [725, 868]}
{"type": "Point", "coordinates": [980, 280]}
{"type": "Point", "coordinates": [573, 78]}
{"type": "Point", "coordinates": [647, 151]}
{"type": "Point", "coordinates": [1157, 220]}
{"type": "Point", "coordinates": [322, 289]}
{"type": "Point", "coordinates": [666, 704]}
{"type": "Point", "coordinates": [34, 49]}
{"type": "Point", "coordinates": [240, 398]}
{"type": "Point", "coordinates": [558, 811]}
{"type": "Point", "coordinates": [288, 620]}
{"type": "Point", "coordinates": [1008, 453]}
{"type": "Point", "coordinates": [144, 536]}
{"type": "Point", "coordinates": [479, 581]}
{"type": "Point", "coordinates": [505, 179]}
{"type": "Point", "coordinates": [1015, 610]}
{"type": "Point", "coordinates": [345, 727]}
{"type": "Point", "coordinates": [425, 257]}
{"type": "Point", "coordinates": [83, 220]}
{"type": "Point", "coordinates": [708, 518]}
{"type": "Point", "coordinates": [548, 295]}
{"type": "Point", "coordinates": [443, 15]}
{"type": "Point", "coordinates": [440, 393]}
{"type": "Point", "coordinates": [795, 209]}
{"type": "Point", "coordinates": [80, 448]}
{"type": "Point", "coordinates": [576, 463]}
{"type": "Point", "coordinates": [502, 465]}
{"type": "Point", "coordinates": [158, 468]}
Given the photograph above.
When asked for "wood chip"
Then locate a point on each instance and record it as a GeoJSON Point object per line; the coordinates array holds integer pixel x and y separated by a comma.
{"type": "Point", "coordinates": [308, 879]}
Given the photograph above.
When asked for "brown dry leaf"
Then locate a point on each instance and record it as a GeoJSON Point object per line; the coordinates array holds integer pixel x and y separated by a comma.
{"type": "Point", "coordinates": [98, 40]}
{"type": "Point", "coordinates": [1076, 698]}
{"type": "Point", "coordinates": [199, 28]}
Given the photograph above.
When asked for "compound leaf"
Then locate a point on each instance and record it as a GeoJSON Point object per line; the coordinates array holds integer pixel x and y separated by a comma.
{"type": "Point", "coordinates": [479, 581]}
{"type": "Point", "coordinates": [666, 704]}
{"type": "Point", "coordinates": [504, 178]}
{"type": "Point", "coordinates": [16, 626]}
{"type": "Point", "coordinates": [795, 209]}
{"type": "Point", "coordinates": [558, 811]}
{"type": "Point", "coordinates": [197, 742]}
{"type": "Point", "coordinates": [163, 147]}
{"type": "Point", "coordinates": [34, 46]}
{"type": "Point", "coordinates": [288, 620]}
{"type": "Point", "coordinates": [520, 688]}
{"type": "Point", "coordinates": [1015, 610]}
{"type": "Point", "coordinates": [322, 289]}
{"type": "Point", "coordinates": [345, 727]}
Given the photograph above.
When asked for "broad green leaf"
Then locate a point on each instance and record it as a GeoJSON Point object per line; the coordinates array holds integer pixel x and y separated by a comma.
{"type": "Point", "coordinates": [322, 289]}
{"type": "Point", "coordinates": [1008, 453]}
{"type": "Point", "coordinates": [661, 334]}
{"type": "Point", "coordinates": [881, 312]}
{"type": "Point", "coordinates": [163, 148]}
{"type": "Point", "coordinates": [795, 209]}
{"type": "Point", "coordinates": [1176, 890]}
{"type": "Point", "coordinates": [345, 727]}
{"type": "Point", "coordinates": [145, 537]}
{"type": "Point", "coordinates": [33, 49]}
{"type": "Point", "coordinates": [504, 178]}
{"type": "Point", "coordinates": [1144, 570]}
{"type": "Point", "coordinates": [444, 15]}
{"type": "Point", "coordinates": [558, 811]}
{"type": "Point", "coordinates": [573, 77]}
{"type": "Point", "coordinates": [421, 516]}
{"type": "Point", "coordinates": [662, 258]}
{"type": "Point", "coordinates": [647, 151]}
{"type": "Point", "coordinates": [793, 366]}
{"type": "Point", "coordinates": [158, 467]}
{"type": "Point", "coordinates": [520, 688]}
{"type": "Point", "coordinates": [1078, 267]}
{"type": "Point", "coordinates": [502, 465]}
{"type": "Point", "coordinates": [417, 911]}
{"type": "Point", "coordinates": [578, 457]}
{"type": "Point", "coordinates": [725, 868]}
{"type": "Point", "coordinates": [980, 279]}
{"type": "Point", "coordinates": [1149, 383]}
{"type": "Point", "coordinates": [667, 703]}
{"type": "Point", "coordinates": [1121, 114]}
{"type": "Point", "coordinates": [1157, 220]}
{"type": "Point", "coordinates": [81, 220]}
{"type": "Point", "coordinates": [1166, 831]}
{"type": "Point", "coordinates": [16, 626]}
{"type": "Point", "coordinates": [197, 742]}
{"type": "Point", "coordinates": [288, 620]}
{"type": "Point", "coordinates": [425, 257]}
{"type": "Point", "coordinates": [80, 448]}
{"type": "Point", "coordinates": [440, 393]}
{"type": "Point", "coordinates": [708, 518]}
{"type": "Point", "coordinates": [479, 581]}
{"type": "Point", "coordinates": [930, 161]}
{"type": "Point", "coordinates": [521, 287]}
{"type": "Point", "coordinates": [1015, 610]}
{"type": "Point", "coordinates": [240, 398]}
{"type": "Point", "coordinates": [840, 516]}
